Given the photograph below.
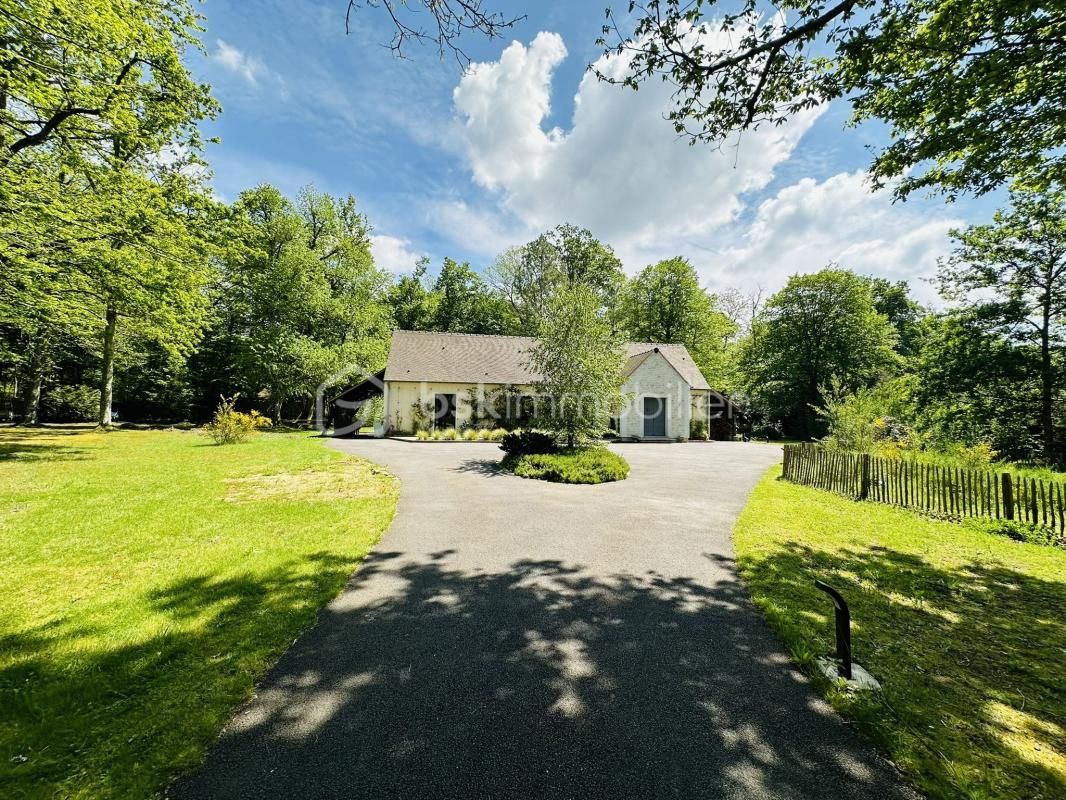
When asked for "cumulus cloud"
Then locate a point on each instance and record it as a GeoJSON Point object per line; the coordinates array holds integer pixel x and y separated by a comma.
{"type": "Point", "coordinates": [620, 169]}
{"type": "Point", "coordinates": [237, 61]}
{"type": "Point", "coordinates": [810, 224]}
{"type": "Point", "coordinates": [394, 254]}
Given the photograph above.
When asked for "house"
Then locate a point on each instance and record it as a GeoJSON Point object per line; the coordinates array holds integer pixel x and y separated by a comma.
{"type": "Point", "coordinates": [446, 378]}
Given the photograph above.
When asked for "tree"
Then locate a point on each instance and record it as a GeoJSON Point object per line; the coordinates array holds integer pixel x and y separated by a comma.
{"type": "Point", "coordinates": [943, 77]}
{"type": "Point", "coordinates": [81, 74]}
{"type": "Point", "coordinates": [665, 303]}
{"type": "Point", "coordinates": [98, 121]}
{"type": "Point", "coordinates": [581, 361]}
{"type": "Point", "coordinates": [299, 299]}
{"type": "Point", "coordinates": [892, 298]}
{"type": "Point", "coordinates": [465, 304]}
{"type": "Point", "coordinates": [1012, 275]}
{"type": "Point", "coordinates": [528, 277]}
{"type": "Point", "coordinates": [971, 385]}
{"type": "Point", "coordinates": [450, 19]}
{"type": "Point", "coordinates": [413, 303]}
{"type": "Point", "coordinates": [819, 328]}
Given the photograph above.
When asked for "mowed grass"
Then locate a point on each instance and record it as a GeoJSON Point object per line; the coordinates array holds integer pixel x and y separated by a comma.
{"type": "Point", "coordinates": [149, 579]}
{"type": "Point", "coordinates": [965, 630]}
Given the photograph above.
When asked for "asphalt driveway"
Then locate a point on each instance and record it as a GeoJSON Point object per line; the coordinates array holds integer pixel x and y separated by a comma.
{"type": "Point", "coordinates": [514, 638]}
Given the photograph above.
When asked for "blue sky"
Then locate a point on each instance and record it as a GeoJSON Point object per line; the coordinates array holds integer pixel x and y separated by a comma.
{"type": "Point", "coordinates": [447, 164]}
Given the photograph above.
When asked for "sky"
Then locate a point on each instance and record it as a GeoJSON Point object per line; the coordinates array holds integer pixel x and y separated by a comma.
{"type": "Point", "coordinates": [464, 164]}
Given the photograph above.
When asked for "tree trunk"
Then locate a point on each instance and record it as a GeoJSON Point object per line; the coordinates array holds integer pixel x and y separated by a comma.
{"type": "Point", "coordinates": [107, 375]}
{"type": "Point", "coordinates": [1047, 381]}
{"type": "Point", "coordinates": [38, 361]}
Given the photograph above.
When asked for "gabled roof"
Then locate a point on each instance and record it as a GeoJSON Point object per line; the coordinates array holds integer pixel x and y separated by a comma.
{"type": "Point", "coordinates": [476, 358]}
{"type": "Point", "coordinates": [459, 358]}
{"type": "Point", "coordinates": [676, 354]}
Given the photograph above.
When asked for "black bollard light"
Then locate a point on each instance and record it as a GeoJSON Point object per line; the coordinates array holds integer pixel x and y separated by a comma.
{"type": "Point", "coordinates": [843, 626]}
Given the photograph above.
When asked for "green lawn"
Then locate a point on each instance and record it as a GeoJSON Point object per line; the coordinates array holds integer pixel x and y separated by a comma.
{"type": "Point", "coordinates": [965, 630]}
{"type": "Point", "coordinates": [149, 579]}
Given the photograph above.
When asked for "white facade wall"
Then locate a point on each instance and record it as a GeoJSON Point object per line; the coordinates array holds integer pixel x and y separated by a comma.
{"type": "Point", "coordinates": [400, 396]}
{"type": "Point", "coordinates": [656, 378]}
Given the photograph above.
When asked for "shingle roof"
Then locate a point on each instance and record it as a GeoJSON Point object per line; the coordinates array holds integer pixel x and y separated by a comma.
{"type": "Point", "coordinates": [475, 358]}
{"type": "Point", "coordinates": [677, 355]}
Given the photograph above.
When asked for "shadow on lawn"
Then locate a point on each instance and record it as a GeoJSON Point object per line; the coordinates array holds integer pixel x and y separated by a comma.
{"type": "Point", "coordinates": [87, 712]}
{"type": "Point", "coordinates": [425, 680]}
{"type": "Point", "coordinates": [972, 659]}
{"type": "Point", "coordinates": [39, 444]}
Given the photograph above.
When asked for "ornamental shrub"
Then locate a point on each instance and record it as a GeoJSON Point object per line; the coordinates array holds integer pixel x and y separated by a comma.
{"type": "Point", "coordinates": [231, 426]}
{"type": "Point", "coordinates": [527, 442]}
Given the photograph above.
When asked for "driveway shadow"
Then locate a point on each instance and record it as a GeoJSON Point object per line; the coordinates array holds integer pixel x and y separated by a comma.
{"type": "Point", "coordinates": [480, 466]}
{"type": "Point", "coordinates": [535, 681]}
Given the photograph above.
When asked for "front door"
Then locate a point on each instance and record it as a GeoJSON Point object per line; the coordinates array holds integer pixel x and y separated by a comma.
{"type": "Point", "coordinates": [444, 411]}
{"type": "Point", "coordinates": [655, 416]}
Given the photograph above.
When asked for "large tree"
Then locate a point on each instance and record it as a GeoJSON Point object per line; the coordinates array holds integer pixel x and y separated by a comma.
{"type": "Point", "coordinates": [972, 93]}
{"type": "Point", "coordinates": [819, 329]}
{"type": "Point", "coordinates": [528, 277]}
{"type": "Point", "coordinates": [98, 125]}
{"type": "Point", "coordinates": [581, 360]}
{"type": "Point", "coordinates": [1012, 275]}
{"type": "Point", "coordinates": [465, 304]}
{"type": "Point", "coordinates": [299, 300]}
{"type": "Point", "coordinates": [665, 303]}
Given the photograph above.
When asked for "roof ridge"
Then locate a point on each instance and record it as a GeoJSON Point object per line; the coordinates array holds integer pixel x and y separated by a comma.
{"type": "Point", "coordinates": [463, 333]}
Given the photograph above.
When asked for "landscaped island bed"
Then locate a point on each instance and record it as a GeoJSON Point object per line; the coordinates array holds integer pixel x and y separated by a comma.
{"type": "Point", "coordinates": [149, 580]}
{"type": "Point", "coordinates": [580, 465]}
{"type": "Point", "coordinates": [964, 629]}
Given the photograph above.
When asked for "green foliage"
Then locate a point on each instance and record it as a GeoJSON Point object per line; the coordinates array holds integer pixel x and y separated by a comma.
{"type": "Point", "coordinates": [819, 328]}
{"type": "Point", "coordinates": [77, 403]}
{"type": "Point", "coordinates": [528, 442]}
{"type": "Point", "coordinates": [580, 465]}
{"type": "Point", "coordinates": [230, 426]}
{"type": "Point", "coordinates": [665, 304]}
{"type": "Point", "coordinates": [865, 419]}
{"type": "Point", "coordinates": [581, 360]}
{"type": "Point", "coordinates": [529, 277]}
{"type": "Point", "coordinates": [465, 304]}
{"type": "Point", "coordinates": [422, 435]}
{"type": "Point", "coordinates": [1012, 276]}
{"type": "Point", "coordinates": [697, 429]}
{"type": "Point", "coordinates": [422, 415]}
{"type": "Point", "coordinates": [413, 303]}
{"type": "Point", "coordinates": [942, 77]}
{"type": "Point", "coordinates": [470, 435]}
{"type": "Point", "coordinates": [299, 299]}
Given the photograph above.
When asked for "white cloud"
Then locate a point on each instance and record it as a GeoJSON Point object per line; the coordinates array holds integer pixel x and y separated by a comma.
{"type": "Point", "coordinates": [235, 60]}
{"type": "Point", "coordinates": [394, 254]}
{"type": "Point", "coordinates": [807, 225]}
{"type": "Point", "coordinates": [619, 170]}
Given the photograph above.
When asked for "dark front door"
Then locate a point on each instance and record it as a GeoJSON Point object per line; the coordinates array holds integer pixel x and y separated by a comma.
{"type": "Point", "coordinates": [444, 411]}
{"type": "Point", "coordinates": [655, 416]}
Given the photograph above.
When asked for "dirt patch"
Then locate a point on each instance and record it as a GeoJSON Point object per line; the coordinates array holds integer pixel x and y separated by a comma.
{"type": "Point", "coordinates": [345, 480]}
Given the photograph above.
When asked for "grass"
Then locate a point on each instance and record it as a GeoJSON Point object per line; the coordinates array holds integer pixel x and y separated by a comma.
{"type": "Point", "coordinates": [150, 578]}
{"type": "Point", "coordinates": [964, 629]}
{"type": "Point", "coordinates": [582, 465]}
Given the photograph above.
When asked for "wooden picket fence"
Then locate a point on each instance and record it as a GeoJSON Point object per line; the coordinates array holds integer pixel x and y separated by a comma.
{"type": "Point", "coordinates": [951, 492]}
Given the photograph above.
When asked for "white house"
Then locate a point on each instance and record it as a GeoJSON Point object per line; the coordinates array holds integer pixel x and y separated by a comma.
{"type": "Point", "coordinates": [448, 374]}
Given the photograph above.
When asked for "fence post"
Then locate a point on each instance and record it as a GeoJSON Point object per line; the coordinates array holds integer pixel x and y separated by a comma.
{"type": "Point", "coordinates": [864, 485]}
{"type": "Point", "coordinates": [1008, 497]}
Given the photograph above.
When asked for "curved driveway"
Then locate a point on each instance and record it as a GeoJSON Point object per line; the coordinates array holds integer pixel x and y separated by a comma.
{"type": "Point", "coordinates": [513, 638]}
